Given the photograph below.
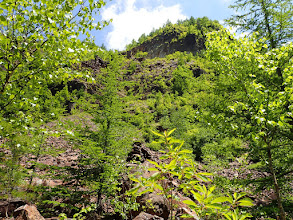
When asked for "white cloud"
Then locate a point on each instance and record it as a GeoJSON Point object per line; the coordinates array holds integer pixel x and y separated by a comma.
{"type": "Point", "coordinates": [130, 22]}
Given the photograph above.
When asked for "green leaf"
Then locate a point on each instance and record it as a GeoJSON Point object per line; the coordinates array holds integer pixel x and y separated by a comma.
{"type": "Point", "coordinates": [153, 169]}
{"type": "Point", "coordinates": [158, 186]}
{"type": "Point", "coordinates": [227, 216]}
{"type": "Point", "coordinates": [135, 180]}
{"type": "Point", "coordinates": [202, 177]}
{"type": "Point", "coordinates": [185, 152]}
{"type": "Point", "coordinates": [155, 175]}
{"type": "Point", "coordinates": [197, 196]}
{"type": "Point", "coordinates": [244, 216]}
{"type": "Point", "coordinates": [146, 191]}
{"type": "Point", "coordinates": [230, 200]}
{"type": "Point", "coordinates": [171, 165]}
{"type": "Point", "coordinates": [190, 202]}
{"type": "Point", "coordinates": [246, 202]}
{"type": "Point", "coordinates": [205, 174]}
{"type": "Point", "coordinates": [133, 191]}
{"type": "Point", "coordinates": [158, 134]}
{"type": "Point", "coordinates": [237, 196]}
{"type": "Point", "coordinates": [176, 141]}
{"type": "Point", "coordinates": [170, 132]}
{"type": "Point", "coordinates": [211, 189]}
{"type": "Point", "coordinates": [11, 96]}
{"type": "Point", "coordinates": [281, 124]}
{"type": "Point", "coordinates": [214, 206]}
{"type": "Point", "coordinates": [185, 216]}
{"type": "Point", "coordinates": [164, 157]}
{"type": "Point", "coordinates": [220, 199]}
{"type": "Point", "coordinates": [155, 163]}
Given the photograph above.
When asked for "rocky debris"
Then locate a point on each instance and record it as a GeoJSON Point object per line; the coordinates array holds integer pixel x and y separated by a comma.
{"type": "Point", "coordinates": [141, 153]}
{"type": "Point", "coordinates": [27, 212]}
{"type": "Point", "coordinates": [95, 64]}
{"type": "Point", "coordinates": [237, 170]}
{"type": "Point", "coordinates": [147, 75]}
{"type": "Point", "coordinates": [66, 159]}
{"type": "Point", "coordinates": [156, 205]}
{"type": "Point", "coordinates": [147, 216]}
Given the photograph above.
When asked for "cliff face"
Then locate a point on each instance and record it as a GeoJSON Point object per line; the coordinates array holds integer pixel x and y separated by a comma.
{"type": "Point", "coordinates": [163, 45]}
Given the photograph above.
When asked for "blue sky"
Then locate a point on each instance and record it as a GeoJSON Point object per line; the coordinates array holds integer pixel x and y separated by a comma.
{"type": "Point", "coordinates": [131, 18]}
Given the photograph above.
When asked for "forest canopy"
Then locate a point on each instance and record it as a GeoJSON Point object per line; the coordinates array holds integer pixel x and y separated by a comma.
{"type": "Point", "coordinates": [87, 133]}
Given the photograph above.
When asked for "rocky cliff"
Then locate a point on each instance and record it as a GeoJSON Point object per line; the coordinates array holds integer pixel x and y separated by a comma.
{"type": "Point", "coordinates": [169, 43]}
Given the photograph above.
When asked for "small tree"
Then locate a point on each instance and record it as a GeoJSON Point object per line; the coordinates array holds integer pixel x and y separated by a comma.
{"type": "Point", "coordinates": [39, 42]}
{"type": "Point", "coordinates": [250, 101]}
{"type": "Point", "coordinates": [181, 166]}
{"type": "Point", "coordinates": [39, 45]}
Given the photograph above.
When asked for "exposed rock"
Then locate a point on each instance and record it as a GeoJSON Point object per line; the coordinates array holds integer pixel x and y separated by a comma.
{"type": "Point", "coordinates": [164, 44]}
{"type": "Point", "coordinates": [147, 216]}
{"type": "Point", "coordinates": [140, 153]}
{"type": "Point", "coordinates": [28, 212]}
{"type": "Point", "coordinates": [197, 72]}
{"type": "Point", "coordinates": [156, 205]}
{"type": "Point", "coordinates": [95, 64]}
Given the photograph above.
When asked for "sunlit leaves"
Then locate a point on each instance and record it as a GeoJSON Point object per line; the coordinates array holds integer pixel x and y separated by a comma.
{"type": "Point", "coordinates": [191, 182]}
{"type": "Point", "coordinates": [35, 40]}
{"type": "Point", "coordinates": [272, 19]}
{"type": "Point", "coordinates": [257, 84]}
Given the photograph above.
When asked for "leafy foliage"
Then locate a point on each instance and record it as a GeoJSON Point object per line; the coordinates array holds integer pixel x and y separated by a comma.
{"type": "Point", "coordinates": [258, 108]}
{"type": "Point", "coordinates": [182, 168]}
{"type": "Point", "coordinates": [272, 19]}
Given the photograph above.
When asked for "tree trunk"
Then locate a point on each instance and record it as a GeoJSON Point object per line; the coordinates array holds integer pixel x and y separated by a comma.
{"type": "Point", "coordinates": [276, 185]}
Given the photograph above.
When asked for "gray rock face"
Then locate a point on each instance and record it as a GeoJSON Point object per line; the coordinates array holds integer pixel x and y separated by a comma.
{"type": "Point", "coordinates": [163, 45]}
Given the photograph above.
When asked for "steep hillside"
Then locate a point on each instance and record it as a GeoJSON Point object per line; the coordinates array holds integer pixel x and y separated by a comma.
{"type": "Point", "coordinates": [104, 146]}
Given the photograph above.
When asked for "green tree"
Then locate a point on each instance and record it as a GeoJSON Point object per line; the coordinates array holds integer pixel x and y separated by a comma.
{"type": "Point", "coordinates": [251, 103]}
{"type": "Point", "coordinates": [273, 19]}
{"type": "Point", "coordinates": [39, 42]}
{"type": "Point", "coordinates": [190, 182]}
{"type": "Point", "coordinates": [107, 147]}
{"type": "Point", "coordinates": [39, 46]}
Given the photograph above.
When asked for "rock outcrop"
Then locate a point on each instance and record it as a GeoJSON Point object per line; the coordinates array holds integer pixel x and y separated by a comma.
{"type": "Point", "coordinates": [147, 216]}
{"type": "Point", "coordinates": [164, 44]}
{"type": "Point", "coordinates": [28, 212]}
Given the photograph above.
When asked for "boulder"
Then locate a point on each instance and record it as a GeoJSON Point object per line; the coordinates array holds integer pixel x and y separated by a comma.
{"type": "Point", "coordinates": [147, 216]}
{"type": "Point", "coordinates": [141, 153]}
{"type": "Point", "coordinates": [156, 205]}
{"type": "Point", "coordinates": [27, 212]}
